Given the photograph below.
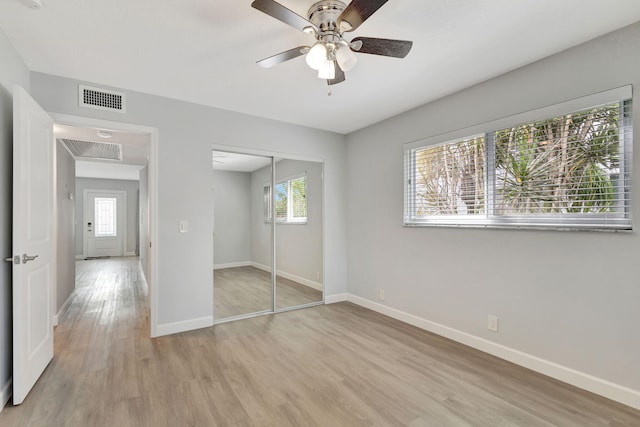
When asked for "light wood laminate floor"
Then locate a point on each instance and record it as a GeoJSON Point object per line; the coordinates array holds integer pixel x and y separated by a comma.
{"type": "Point", "coordinates": [243, 290]}
{"type": "Point", "coordinates": [331, 365]}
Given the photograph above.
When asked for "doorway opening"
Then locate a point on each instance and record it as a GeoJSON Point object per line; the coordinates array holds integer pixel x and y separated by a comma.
{"type": "Point", "coordinates": [106, 177]}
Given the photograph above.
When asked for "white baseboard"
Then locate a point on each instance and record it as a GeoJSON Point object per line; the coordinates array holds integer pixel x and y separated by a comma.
{"type": "Point", "coordinates": [331, 299]}
{"type": "Point", "coordinates": [129, 254]}
{"type": "Point", "coordinates": [5, 394]}
{"type": "Point", "coordinates": [293, 277]}
{"type": "Point", "coordinates": [232, 265]}
{"type": "Point", "coordinates": [64, 308]}
{"type": "Point", "coordinates": [80, 257]}
{"type": "Point", "coordinates": [579, 379]}
{"type": "Point", "coordinates": [261, 266]}
{"type": "Point", "coordinates": [184, 326]}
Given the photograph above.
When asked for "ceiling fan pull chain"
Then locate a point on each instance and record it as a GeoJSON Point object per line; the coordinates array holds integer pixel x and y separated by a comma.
{"type": "Point", "coordinates": [329, 88]}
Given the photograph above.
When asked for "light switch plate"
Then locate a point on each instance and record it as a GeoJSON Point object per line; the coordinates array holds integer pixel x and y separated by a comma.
{"type": "Point", "coordinates": [184, 226]}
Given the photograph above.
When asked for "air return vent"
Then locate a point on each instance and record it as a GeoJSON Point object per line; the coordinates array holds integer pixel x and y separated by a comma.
{"type": "Point", "coordinates": [93, 150]}
{"type": "Point", "coordinates": [101, 99]}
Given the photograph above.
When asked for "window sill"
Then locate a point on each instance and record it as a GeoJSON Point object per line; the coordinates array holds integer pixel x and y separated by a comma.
{"type": "Point", "coordinates": [525, 226]}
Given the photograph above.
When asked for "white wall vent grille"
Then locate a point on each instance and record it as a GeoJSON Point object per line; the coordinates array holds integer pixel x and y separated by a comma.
{"type": "Point", "coordinates": [101, 99]}
{"type": "Point", "coordinates": [93, 150]}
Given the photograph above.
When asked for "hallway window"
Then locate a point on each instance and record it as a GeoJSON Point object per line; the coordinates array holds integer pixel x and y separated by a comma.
{"type": "Point", "coordinates": [105, 217]}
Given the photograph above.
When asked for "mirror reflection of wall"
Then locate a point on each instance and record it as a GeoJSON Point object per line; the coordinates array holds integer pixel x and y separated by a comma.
{"type": "Point", "coordinates": [299, 246]}
{"type": "Point", "coordinates": [240, 288]}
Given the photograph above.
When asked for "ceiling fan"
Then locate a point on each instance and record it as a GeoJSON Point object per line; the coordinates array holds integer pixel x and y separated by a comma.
{"type": "Point", "coordinates": [327, 21]}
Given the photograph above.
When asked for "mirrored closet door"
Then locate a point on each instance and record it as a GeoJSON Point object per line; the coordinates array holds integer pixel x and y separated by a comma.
{"type": "Point", "coordinates": [299, 253]}
{"type": "Point", "coordinates": [242, 241]}
{"type": "Point", "coordinates": [262, 265]}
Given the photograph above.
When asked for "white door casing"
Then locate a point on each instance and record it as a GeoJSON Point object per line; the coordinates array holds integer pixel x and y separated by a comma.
{"type": "Point", "coordinates": [33, 236]}
{"type": "Point", "coordinates": [152, 253]}
{"type": "Point", "coordinates": [96, 245]}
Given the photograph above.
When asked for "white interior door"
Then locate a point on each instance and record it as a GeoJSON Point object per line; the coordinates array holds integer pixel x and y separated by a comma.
{"type": "Point", "coordinates": [104, 223]}
{"type": "Point", "coordinates": [34, 268]}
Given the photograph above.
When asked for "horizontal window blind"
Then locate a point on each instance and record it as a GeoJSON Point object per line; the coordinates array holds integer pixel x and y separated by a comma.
{"type": "Point", "coordinates": [449, 179]}
{"type": "Point", "coordinates": [571, 171]}
{"type": "Point", "coordinates": [298, 191]}
{"type": "Point", "coordinates": [282, 201]}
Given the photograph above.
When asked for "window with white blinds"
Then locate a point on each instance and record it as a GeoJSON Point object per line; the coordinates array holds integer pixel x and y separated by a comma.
{"type": "Point", "coordinates": [562, 171]}
{"type": "Point", "coordinates": [290, 200]}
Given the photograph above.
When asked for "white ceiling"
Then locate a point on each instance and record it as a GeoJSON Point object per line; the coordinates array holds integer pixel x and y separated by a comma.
{"type": "Point", "coordinates": [226, 161]}
{"type": "Point", "coordinates": [204, 51]}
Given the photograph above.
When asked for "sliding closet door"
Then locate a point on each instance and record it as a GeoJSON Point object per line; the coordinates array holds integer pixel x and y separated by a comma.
{"type": "Point", "coordinates": [298, 200]}
{"type": "Point", "coordinates": [242, 238]}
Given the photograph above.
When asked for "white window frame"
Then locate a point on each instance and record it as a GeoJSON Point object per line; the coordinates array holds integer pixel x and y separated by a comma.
{"type": "Point", "coordinates": [269, 198]}
{"type": "Point", "coordinates": [609, 222]}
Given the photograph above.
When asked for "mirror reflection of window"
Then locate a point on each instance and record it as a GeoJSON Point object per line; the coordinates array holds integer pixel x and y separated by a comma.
{"type": "Point", "coordinates": [290, 200]}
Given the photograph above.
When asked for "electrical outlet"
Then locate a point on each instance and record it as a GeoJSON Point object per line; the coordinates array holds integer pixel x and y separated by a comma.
{"type": "Point", "coordinates": [381, 294]}
{"type": "Point", "coordinates": [492, 323]}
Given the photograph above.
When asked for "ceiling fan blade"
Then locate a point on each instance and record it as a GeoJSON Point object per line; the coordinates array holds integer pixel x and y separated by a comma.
{"type": "Point", "coordinates": [281, 13]}
{"type": "Point", "coordinates": [339, 78]}
{"type": "Point", "coordinates": [384, 47]}
{"type": "Point", "coordinates": [283, 56]}
{"type": "Point", "coordinates": [359, 11]}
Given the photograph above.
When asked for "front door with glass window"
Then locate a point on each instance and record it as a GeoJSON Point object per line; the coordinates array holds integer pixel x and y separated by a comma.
{"type": "Point", "coordinates": [104, 223]}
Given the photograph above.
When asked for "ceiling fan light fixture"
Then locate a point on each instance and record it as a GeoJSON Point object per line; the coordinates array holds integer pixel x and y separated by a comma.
{"type": "Point", "coordinates": [346, 58]}
{"type": "Point", "coordinates": [317, 56]}
{"type": "Point", "coordinates": [327, 71]}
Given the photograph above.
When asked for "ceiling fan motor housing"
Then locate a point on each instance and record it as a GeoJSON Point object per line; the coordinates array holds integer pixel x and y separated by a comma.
{"type": "Point", "coordinates": [324, 15]}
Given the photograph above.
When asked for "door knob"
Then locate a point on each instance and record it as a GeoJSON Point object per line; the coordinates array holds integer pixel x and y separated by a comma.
{"type": "Point", "coordinates": [26, 258]}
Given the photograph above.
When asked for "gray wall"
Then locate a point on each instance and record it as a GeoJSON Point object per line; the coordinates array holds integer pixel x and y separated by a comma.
{"type": "Point", "coordinates": [567, 297]}
{"type": "Point", "coordinates": [231, 217]}
{"type": "Point", "coordinates": [131, 187]}
{"type": "Point", "coordinates": [66, 260]}
{"type": "Point", "coordinates": [298, 246]}
{"type": "Point", "coordinates": [12, 71]}
{"type": "Point", "coordinates": [143, 220]}
{"type": "Point", "coordinates": [186, 134]}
